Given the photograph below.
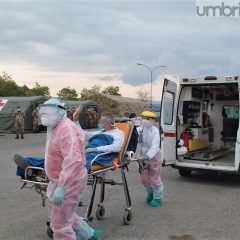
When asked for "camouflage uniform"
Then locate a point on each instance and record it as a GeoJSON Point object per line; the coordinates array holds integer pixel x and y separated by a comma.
{"type": "Point", "coordinates": [35, 120]}
{"type": "Point", "coordinates": [68, 113]}
{"type": "Point", "coordinates": [94, 115]}
{"type": "Point", "coordinates": [19, 122]}
{"type": "Point", "coordinates": [89, 119]}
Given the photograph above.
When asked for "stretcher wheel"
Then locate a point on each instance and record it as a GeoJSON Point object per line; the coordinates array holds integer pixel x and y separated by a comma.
{"type": "Point", "coordinates": [100, 212]}
{"type": "Point", "coordinates": [49, 232]}
{"type": "Point", "coordinates": [127, 217]}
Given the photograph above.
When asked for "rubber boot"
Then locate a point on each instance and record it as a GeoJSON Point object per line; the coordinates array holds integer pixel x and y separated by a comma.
{"type": "Point", "coordinates": [149, 196]}
{"type": "Point", "coordinates": [17, 137]}
{"type": "Point", "coordinates": [156, 202]}
{"type": "Point", "coordinates": [22, 137]}
{"type": "Point", "coordinates": [96, 235]}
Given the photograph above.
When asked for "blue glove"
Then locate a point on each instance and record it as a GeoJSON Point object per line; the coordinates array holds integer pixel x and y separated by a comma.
{"type": "Point", "coordinates": [58, 196]}
{"type": "Point", "coordinates": [146, 158]}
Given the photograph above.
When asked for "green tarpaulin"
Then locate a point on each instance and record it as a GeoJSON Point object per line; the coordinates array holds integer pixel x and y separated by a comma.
{"type": "Point", "coordinates": [8, 105]}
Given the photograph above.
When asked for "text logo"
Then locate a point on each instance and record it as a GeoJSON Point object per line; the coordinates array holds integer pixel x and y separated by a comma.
{"type": "Point", "coordinates": [227, 8]}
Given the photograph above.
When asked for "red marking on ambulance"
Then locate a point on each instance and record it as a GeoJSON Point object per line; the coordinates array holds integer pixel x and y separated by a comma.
{"type": "Point", "coordinates": [169, 134]}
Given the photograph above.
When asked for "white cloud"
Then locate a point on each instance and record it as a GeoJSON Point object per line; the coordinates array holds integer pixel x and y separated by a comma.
{"type": "Point", "coordinates": [99, 42]}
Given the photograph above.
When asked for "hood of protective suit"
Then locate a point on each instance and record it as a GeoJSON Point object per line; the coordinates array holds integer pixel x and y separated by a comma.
{"type": "Point", "coordinates": [51, 112]}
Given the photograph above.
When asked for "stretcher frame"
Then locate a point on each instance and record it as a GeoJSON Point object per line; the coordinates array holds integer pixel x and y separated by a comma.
{"type": "Point", "coordinates": [35, 177]}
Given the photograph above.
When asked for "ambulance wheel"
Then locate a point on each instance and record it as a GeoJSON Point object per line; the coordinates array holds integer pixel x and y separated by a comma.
{"type": "Point", "coordinates": [184, 172]}
{"type": "Point", "coordinates": [100, 212]}
{"type": "Point", "coordinates": [127, 217]}
{"type": "Point", "coordinates": [49, 232]}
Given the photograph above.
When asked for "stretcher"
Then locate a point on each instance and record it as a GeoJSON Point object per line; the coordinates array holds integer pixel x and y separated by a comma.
{"type": "Point", "coordinates": [35, 178]}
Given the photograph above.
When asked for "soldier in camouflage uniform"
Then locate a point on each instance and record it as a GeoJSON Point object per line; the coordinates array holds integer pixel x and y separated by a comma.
{"type": "Point", "coordinates": [89, 119]}
{"type": "Point", "coordinates": [35, 120]}
{"type": "Point", "coordinates": [94, 115]}
{"type": "Point", "coordinates": [69, 112]}
{"type": "Point", "coordinates": [19, 116]}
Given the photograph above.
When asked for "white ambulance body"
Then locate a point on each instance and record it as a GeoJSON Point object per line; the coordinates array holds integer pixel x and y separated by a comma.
{"type": "Point", "coordinates": [204, 113]}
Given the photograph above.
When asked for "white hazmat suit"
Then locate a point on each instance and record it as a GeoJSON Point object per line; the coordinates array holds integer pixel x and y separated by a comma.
{"type": "Point", "coordinates": [149, 141]}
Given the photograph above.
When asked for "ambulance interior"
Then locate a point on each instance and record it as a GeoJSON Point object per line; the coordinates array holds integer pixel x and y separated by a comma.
{"type": "Point", "coordinates": [207, 123]}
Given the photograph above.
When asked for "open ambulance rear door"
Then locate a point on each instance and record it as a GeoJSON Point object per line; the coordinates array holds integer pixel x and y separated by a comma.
{"type": "Point", "coordinates": [237, 150]}
{"type": "Point", "coordinates": [168, 121]}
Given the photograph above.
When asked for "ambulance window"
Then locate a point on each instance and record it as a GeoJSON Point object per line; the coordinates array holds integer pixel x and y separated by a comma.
{"type": "Point", "coordinates": [230, 112]}
{"type": "Point", "coordinates": [168, 108]}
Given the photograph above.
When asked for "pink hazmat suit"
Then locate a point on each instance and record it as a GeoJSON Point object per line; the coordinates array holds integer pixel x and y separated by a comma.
{"type": "Point", "coordinates": [65, 167]}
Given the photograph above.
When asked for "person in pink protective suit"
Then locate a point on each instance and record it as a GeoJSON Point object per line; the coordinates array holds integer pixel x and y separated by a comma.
{"type": "Point", "coordinates": [149, 142]}
{"type": "Point", "coordinates": [65, 167]}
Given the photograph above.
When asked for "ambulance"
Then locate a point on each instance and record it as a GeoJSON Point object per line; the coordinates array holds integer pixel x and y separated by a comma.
{"type": "Point", "coordinates": [199, 124]}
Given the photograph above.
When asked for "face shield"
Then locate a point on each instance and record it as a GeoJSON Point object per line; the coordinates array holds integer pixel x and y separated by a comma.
{"type": "Point", "coordinates": [148, 118]}
{"type": "Point", "coordinates": [51, 114]}
{"type": "Point", "coordinates": [147, 122]}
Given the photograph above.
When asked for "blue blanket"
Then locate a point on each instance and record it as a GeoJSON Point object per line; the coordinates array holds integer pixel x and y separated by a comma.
{"type": "Point", "coordinates": [96, 141]}
{"type": "Point", "coordinates": [32, 161]}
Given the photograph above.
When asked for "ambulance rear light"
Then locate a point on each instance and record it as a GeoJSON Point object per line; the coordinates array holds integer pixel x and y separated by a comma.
{"type": "Point", "coordinates": [193, 80]}
{"type": "Point", "coordinates": [210, 78]}
{"type": "Point", "coordinates": [185, 79]}
{"type": "Point", "coordinates": [236, 78]}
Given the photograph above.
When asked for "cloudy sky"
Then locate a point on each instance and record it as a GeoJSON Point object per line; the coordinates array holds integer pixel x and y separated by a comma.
{"type": "Point", "coordinates": [84, 43]}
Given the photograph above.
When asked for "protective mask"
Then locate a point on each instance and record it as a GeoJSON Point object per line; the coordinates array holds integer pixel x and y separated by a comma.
{"type": "Point", "coordinates": [51, 121]}
{"type": "Point", "coordinates": [147, 123]}
{"type": "Point", "coordinates": [19, 109]}
{"type": "Point", "coordinates": [50, 116]}
{"type": "Point", "coordinates": [101, 127]}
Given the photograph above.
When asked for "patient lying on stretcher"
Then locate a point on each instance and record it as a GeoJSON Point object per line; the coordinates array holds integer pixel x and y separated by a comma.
{"type": "Point", "coordinates": [107, 139]}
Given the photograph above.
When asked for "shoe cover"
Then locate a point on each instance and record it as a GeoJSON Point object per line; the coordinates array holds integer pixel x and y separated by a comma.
{"type": "Point", "coordinates": [157, 197]}
{"type": "Point", "coordinates": [158, 193]}
{"type": "Point", "coordinates": [84, 232]}
{"type": "Point", "coordinates": [149, 196]}
{"type": "Point", "coordinates": [96, 235]}
{"type": "Point", "coordinates": [156, 202]}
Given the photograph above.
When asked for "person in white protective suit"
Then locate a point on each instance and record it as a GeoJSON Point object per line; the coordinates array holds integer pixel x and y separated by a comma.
{"type": "Point", "coordinates": [65, 167]}
{"type": "Point", "coordinates": [149, 142]}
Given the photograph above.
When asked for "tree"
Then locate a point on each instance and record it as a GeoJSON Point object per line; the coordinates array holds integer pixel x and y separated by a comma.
{"type": "Point", "coordinates": [8, 87]}
{"type": "Point", "coordinates": [112, 90]}
{"type": "Point", "coordinates": [39, 90]}
{"type": "Point", "coordinates": [68, 94]}
{"type": "Point", "coordinates": [86, 93]}
{"type": "Point", "coordinates": [143, 95]}
{"type": "Point", "coordinates": [25, 89]}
